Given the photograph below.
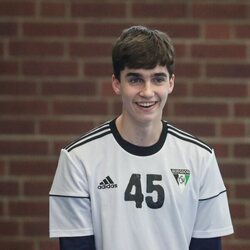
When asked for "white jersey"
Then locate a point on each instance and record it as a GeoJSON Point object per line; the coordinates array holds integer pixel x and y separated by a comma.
{"type": "Point", "coordinates": [138, 198]}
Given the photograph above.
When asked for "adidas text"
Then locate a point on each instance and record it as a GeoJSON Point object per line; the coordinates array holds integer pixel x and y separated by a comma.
{"type": "Point", "coordinates": [107, 186]}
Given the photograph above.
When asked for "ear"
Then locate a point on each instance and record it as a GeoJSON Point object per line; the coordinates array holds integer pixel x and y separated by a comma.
{"type": "Point", "coordinates": [116, 85]}
{"type": "Point", "coordinates": [171, 84]}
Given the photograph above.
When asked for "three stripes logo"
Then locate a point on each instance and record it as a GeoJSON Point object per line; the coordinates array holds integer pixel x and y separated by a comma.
{"type": "Point", "coordinates": [107, 183]}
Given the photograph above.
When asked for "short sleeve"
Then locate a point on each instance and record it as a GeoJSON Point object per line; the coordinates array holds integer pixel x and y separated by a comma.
{"type": "Point", "coordinates": [211, 183]}
{"type": "Point", "coordinates": [70, 178]}
{"type": "Point", "coordinates": [69, 201]}
{"type": "Point", "coordinates": [213, 216]}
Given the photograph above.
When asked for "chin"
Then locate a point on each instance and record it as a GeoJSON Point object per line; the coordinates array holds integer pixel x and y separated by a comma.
{"type": "Point", "coordinates": [148, 119]}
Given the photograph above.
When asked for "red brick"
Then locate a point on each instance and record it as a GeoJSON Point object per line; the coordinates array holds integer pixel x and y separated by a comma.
{"type": "Point", "coordinates": [1, 209]}
{"type": "Point", "coordinates": [201, 109]}
{"type": "Point", "coordinates": [8, 68]}
{"type": "Point", "coordinates": [219, 11]}
{"type": "Point", "coordinates": [159, 10]}
{"type": "Point", "coordinates": [59, 144]}
{"type": "Point", "coordinates": [181, 89]}
{"type": "Point", "coordinates": [8, 188]}
{"type": "Point", "coordinates": [16, 127]}
{"type": "Point", "coordinates": [16, 87]}
{"type": "Point", "coordinates": [50, 68]}
{"type": "Point", "coordinates": [107, 90]}
{"type": "Point", "coordinates": [86, 40]}
{"type": "Point", "coordinates": [229, 189]}
{"type": "Point", "coordinates": [242, 191]}
{"type": "Point", "coordinates": [237, 245]}
{"type": "Point", "coordinates": [98, 10]}
{"type": "Point", "coordinates": [197, 128]}
{"type": "Point", "coordinates": [34, 168]}
{"type": "Point", "coordinates": [1, 49]}
{"type": "Point", "coordinates": [242, 231]}
{"type": "Point", "coordinates": [28, 209]}
{"type": "Point", "coordinates": [76, 88]}
{"type": "Point", "coordinates": [233, 170]}
{"type": "Point", "coordinates": [104, 29]}
{"type": "Point", "coordinates": [238, 211]}
{"type": "Point", "coordinates": [179, 30]}
{"type": "Point", "coordinates": [217, 31]}
{"type": "Point", "coordinates": [17, 8]}
{"type": "Point", "coordinates": [49, 245]}
{"type": "Point", "coordinates": [23, 107]}
{"type": "Point", "coordinates": [187, 69]}
{"type": "Point", "coordinates": [180, 50]}
{"type": "Point", "coordinates": [36, 188]}
{"type": "Point", "coordinates": [8, 228]}
{"type": "Point", "coordinates": [221, 150]}
{"type": "Point", "coordinates": [21, 147]}
{"type": "Point", "coordinates": [98, 69]}
{"type": "Point", "coordinates": [35, 229]}
{"type": "Point", "coordinates": [242, 150]}
{"type": "Point", "coordinates": [2, 168]}
{"type": "Point", "coordinates": [41, 49]}
{"type": "Point", "coordinates": [242, 109]}
{"type": "Point", "coordinates": [233, 129]}
{"type": "Point", "coordinates": [80, 108]}
{"type": "Point", "coordinates": [218, 51]}
{"type": "Point", "coordinates": [53, 9]}
{"type": "Point", "coordinates": [64, 127]}
{"type": "Point", "coordinates": [90, 49]}
{"type": "Point", "coordinates": [8, 29]}
{"type": "Point", "coordinates": [220, 90]}
{"type": "Point", "coordinates": [242, 31]}
{"type": "Point", "coordinates": [117, 108]}
{"type": "Point", "coordinates": [50, 29]}
{"type": "Point", "coordinates": [15, 244]}
{"type": "Point", "coordinates": [228, 70]}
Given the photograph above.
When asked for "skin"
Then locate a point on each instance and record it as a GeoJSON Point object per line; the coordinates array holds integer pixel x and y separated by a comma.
{"type": "Point", "coordinates": [144, 93]}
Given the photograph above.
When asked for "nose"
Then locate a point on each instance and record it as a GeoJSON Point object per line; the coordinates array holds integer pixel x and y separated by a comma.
{"type": "Point", "coordinates": [147, 90]}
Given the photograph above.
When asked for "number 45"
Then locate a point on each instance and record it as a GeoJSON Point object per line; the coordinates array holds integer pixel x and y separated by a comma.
{"type": "Point", "coordinates": [138, 197]}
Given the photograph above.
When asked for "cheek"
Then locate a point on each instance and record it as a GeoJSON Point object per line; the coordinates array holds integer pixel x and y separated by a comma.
{"type": "Point", "coordinates": [163, 93]}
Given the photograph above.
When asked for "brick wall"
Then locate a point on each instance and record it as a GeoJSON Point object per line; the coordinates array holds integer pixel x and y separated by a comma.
{"type": "Point", "coordinates": [55, 73]}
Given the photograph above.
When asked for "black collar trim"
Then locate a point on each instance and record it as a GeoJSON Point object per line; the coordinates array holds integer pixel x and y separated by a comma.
{"type": "Point", "coordinates": [139, 150]}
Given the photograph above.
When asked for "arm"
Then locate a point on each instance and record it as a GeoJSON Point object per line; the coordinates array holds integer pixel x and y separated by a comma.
{"type": "Point", "coordinates": [205, 244]}
{"type": "Point", "coordinates": [77, 243]}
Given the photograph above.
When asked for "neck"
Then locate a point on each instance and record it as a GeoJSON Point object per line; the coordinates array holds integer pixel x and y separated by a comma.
{"type": "Point", "coordinates": [138, 134]}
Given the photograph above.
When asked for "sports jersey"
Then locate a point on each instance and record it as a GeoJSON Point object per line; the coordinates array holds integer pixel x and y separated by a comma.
{"type": "Point", "coordinates": [138, 198]}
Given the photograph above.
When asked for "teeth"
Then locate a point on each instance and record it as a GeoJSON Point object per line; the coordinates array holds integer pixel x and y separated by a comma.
{"type": "Point", "coordinates": [146, 104]}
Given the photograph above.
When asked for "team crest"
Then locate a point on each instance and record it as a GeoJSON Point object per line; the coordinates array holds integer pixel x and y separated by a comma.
{"type": "Point", "coordinates": [181, 176]}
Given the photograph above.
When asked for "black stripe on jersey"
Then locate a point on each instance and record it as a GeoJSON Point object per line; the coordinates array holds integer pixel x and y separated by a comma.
{"type": "Point", "coordinates": [213, 196]}
{"type": "Point", "coordinates": [70, 196]}
{"type": "Point", "coordinates": [187, 137]}
{"type": "Point", "coordinates": [90, 136]}
{"type": "Point", "coordinates": [100, 128]}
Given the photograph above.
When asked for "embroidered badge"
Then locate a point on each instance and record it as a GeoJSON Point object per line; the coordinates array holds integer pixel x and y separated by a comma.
{"type": "Point", "coordinates": [181, 176]}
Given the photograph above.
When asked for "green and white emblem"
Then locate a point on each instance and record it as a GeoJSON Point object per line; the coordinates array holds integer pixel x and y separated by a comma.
{"type": "Point", "coordinates": [181, 176]}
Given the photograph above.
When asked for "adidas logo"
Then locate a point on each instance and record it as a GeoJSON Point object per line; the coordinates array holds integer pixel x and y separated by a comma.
{"type": "Point", "coordinates": [107, 183]}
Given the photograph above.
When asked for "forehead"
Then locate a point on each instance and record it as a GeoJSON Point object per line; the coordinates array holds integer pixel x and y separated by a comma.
{"type": "Point", "coordinates": [145, 72]}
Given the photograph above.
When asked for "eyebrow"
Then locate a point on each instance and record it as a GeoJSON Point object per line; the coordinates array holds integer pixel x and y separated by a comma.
{"type": "Point", "coordinates": [140, 75]}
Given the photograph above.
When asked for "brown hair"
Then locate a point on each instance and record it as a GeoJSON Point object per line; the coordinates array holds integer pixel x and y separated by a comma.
{"type": "Point", "coordinates": [140, 47]}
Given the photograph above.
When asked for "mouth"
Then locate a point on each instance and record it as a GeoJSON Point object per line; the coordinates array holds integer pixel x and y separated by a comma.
{"type": "Point", "coordinates": [146, 105]}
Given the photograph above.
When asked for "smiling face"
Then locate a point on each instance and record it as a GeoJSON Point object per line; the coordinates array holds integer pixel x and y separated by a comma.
{"type": "Point", "coordinates": [144, 94]}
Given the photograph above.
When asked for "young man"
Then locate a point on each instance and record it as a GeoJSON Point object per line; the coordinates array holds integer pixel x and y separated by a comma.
{"type": "Point", "coordinates": [137, 182]}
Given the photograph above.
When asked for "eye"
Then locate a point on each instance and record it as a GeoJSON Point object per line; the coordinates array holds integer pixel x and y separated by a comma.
{"type": "Point", "coordinates": [135, 80]}
{"type": "Point", "coordinates": [159, 80]}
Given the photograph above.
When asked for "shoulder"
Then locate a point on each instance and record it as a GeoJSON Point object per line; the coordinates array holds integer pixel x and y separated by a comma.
{"type": "Point", "coordinates": [185, 138]}
{"type": "Point", "coordinates": [93, 135]}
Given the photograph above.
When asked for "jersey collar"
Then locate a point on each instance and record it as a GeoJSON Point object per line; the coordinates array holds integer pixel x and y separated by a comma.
{"type": "Point", "coordinates": [139, 150]}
